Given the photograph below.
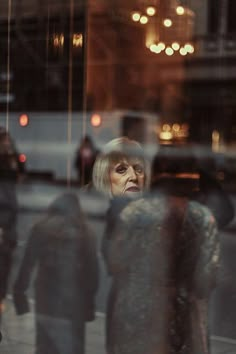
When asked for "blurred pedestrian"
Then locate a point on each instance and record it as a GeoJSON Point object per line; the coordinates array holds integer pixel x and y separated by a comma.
{"type": "Point", "coordinates": [84, 160]}
{"type": "Point", "coordinates": [9, 172]}
{"type": "Point", "coordinates": [62, 248]}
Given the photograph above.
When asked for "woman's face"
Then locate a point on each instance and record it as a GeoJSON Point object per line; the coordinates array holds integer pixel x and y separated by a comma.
{"type": "Point", "coordinates": [127, 177]}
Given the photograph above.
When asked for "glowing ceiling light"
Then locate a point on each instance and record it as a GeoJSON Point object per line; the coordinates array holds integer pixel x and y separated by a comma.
{"type": "Point", "coordinates": [155, 48]}
{"type": "Point", "coordinates": [175, 46]}
{"type": "Point", "coordinates": [151, 11]}
{"type": "Point", "coordinates": [166, 127]}
{"type": "Point", "coordinates": [180, 10]}
{"type": "Point", "coordinates": [143, 20]}
{"type": "Point", "coordinates": [183, 51]}
{"type": "Point", "coordinates": [136, 16]}
{"type": "Point", "coordinates": [166, 135]}
{"type": "Point", "coordinates": [191, 49]}
{"type": "Point", "coordinates": [176, 127]}
{"type": "Point", "coordinates": [161, 46]}
{"type": "Point", "coordinates": [169, 51]}
{"type": "Point", "coordinates": [167, 22]}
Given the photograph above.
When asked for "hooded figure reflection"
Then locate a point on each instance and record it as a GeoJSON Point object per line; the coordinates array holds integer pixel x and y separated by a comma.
{"type": "Point", "coordinates": [62, 248]}
{"type": "Point", "coordinates": [163, 254]}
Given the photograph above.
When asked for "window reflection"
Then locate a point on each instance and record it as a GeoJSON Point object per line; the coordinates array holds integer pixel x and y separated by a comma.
{"type": "Point", "coordinates": [159, 72]}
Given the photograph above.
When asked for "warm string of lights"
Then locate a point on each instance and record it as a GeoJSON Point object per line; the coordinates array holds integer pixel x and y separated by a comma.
{"type": "Point", "coordinates": [183, 45]}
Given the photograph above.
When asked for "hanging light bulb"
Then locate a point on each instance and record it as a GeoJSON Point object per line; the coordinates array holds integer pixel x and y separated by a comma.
{"type": "Point", "coordinates": [150, 10]}
{"type": "Point", "coordinates": [189, 48]}
{"type": "Point", "coordinates": [180, 10]}
{"type": "Point", "coordinates": [161, 45]}
{"type": "Point", "coordinates": [136, 16]}
{"type": "Point", "coordinates": [183, 51]}
{"type": "Point", "coordinates": [143, 20]}
{"type": "Point", "coordinates": [155, 49]}
{"type": "Point", "coordinates": [167, 22]}
{"type": "Point", "coordinates": [175, 45]}
{"type": "Point", "coordinates": [169, 51]}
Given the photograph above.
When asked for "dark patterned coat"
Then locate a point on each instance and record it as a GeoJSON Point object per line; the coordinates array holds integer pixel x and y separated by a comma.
{"type": "Point", "coordinates": [163, 254]}
{"type": "Point", "coordinates": [8, 232]}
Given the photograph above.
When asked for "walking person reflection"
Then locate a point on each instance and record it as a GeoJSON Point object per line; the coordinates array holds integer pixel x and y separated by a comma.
{"type": "Point", "coordinates": [66, 279]}
{"type": "Point", "coordinates": [163, 254]}
{"type": "Point", "coordinates": [9, 174]}
{"type": "Point", "coordinates": [84, 160]}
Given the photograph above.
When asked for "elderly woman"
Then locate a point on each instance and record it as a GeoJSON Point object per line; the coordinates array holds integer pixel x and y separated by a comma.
{"type": "Point", "coordinates": [162, 252]}
{"type": "Point", "coordinates": [121, 169]}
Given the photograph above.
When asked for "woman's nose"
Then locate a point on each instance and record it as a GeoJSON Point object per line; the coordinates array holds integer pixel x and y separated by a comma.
{"type": "Point", "coordinates": [131, 173]}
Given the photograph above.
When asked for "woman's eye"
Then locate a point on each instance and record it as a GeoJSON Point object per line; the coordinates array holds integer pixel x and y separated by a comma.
{"type": "Point", "coordinates": [121, 169]}
{"type": "Point", "coordinates": [139, 169]}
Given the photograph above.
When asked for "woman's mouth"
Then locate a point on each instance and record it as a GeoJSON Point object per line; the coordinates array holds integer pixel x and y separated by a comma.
{"type": "Point", "coordinates": [133, 189]}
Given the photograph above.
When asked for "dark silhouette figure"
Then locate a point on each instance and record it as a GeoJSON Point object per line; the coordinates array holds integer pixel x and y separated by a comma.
{"type": "Point", "coordinates": [9, 171]}
{"type": "Point", "coordinates": [84, 161]}
{"type": "Point", "coordinates": [64, 252]}
{"type": "Point", "coordinates": [180, 173]}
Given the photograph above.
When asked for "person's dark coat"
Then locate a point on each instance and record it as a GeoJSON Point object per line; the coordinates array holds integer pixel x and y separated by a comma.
{"type": "Point", "coordinates": [85, 159]}
{"type": "Point", "coordinates": [62, 248]}
{"type": "Point", "coordinates": [163, 255]}
{"type": "Point", "coordinates": [8, 233]}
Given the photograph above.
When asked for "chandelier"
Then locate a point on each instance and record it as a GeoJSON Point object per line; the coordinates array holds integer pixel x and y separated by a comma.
{"type": "Point", "coordinates": [168, 26]}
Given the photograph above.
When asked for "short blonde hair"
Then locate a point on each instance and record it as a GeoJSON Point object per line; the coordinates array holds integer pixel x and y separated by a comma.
{"type": "Point", "coordinates": [114, 151]}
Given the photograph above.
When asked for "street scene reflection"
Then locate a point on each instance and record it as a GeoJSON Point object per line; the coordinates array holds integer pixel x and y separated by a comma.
{"type": "Point", "coordinates": [117, 121]}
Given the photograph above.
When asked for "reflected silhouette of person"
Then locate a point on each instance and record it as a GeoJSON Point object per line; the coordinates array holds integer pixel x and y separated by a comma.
{"type": "Point", "coordinates": [84, 160]}
{"type": "Point", "coordinates": [162, 252]}
{"type": "Point", "coordinates": [183, 175]}
{"type": "Point", "coordinates": [62, 250]}
{"type": "Point", "coordinates": [9, 171]}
